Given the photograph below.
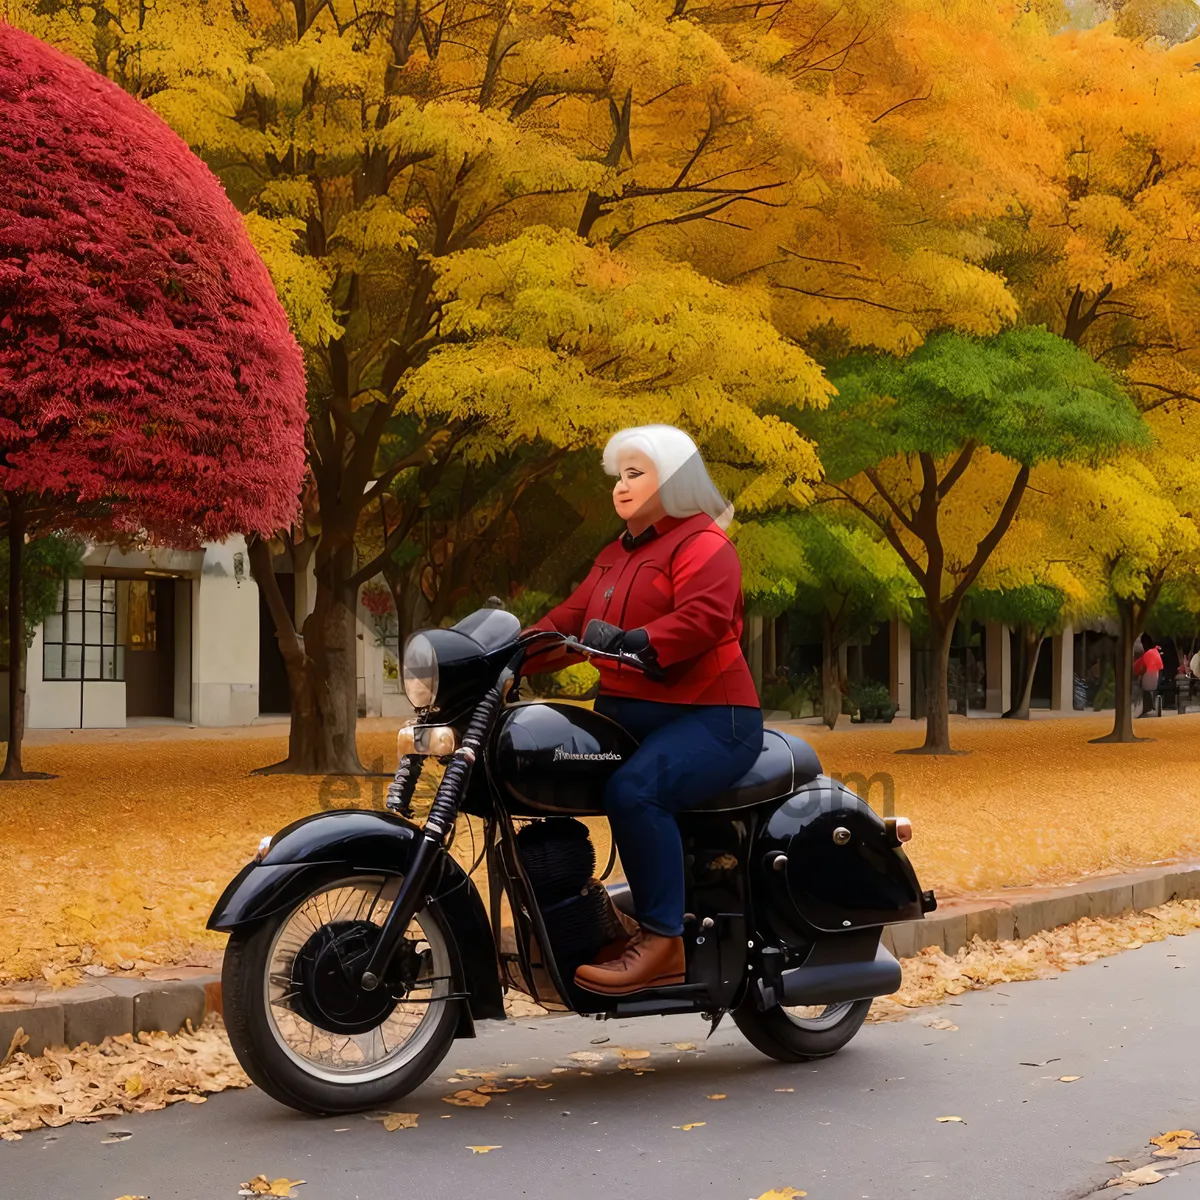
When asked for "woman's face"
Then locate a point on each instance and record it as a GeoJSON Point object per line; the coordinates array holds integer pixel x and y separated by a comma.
{"type": "Point", "coordinates": [635, 496]}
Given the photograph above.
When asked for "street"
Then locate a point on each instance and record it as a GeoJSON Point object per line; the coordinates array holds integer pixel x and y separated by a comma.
{"type": "Point", "coordinates": [861, 1125]}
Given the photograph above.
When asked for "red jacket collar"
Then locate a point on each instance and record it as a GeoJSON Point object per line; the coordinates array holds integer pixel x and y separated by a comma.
{"type": "Point", "coordinates": [662, 525]}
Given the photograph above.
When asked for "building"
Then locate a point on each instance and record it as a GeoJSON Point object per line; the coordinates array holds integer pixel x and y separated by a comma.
{"type": "Point", "coordinates": [170, 635]}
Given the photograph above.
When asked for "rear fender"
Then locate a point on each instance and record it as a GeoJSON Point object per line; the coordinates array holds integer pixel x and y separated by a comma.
{"type": "Point", "coordinates": [332, 845]}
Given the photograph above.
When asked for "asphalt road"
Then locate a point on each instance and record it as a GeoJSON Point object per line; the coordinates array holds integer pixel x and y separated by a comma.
{"type": "Point", "coordinates": [860, 1126]}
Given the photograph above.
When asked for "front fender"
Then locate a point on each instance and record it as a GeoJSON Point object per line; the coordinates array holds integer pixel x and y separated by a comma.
{"type": "Point", "coordinates": [351, 841]}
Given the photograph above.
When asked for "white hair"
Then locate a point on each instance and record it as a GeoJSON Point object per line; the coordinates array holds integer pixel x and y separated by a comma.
{"type": "Point", "coordinates": [684, 485]}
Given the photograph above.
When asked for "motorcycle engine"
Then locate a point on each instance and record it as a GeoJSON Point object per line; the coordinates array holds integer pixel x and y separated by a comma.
{"type": "Point", "coordinates": [560, 861]}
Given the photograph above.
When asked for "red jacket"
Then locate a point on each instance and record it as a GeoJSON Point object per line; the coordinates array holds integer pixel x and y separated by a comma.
{"type": "Point", "coordinates": [1150, 661]}
{"type": "Point", "coordinates": [684, 587]}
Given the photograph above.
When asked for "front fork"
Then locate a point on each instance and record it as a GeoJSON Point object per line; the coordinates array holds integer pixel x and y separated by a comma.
{"type": "Point", "coordinates": [413, 894]}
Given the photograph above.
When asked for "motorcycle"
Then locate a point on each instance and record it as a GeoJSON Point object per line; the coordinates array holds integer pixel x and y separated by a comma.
{"type": "Point", "coordinates": [360, 949]}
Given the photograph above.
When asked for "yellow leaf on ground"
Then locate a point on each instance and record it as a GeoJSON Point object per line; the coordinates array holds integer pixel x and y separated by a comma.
{"type": "Point", "coordinates": [19, 1039]}
{"type": "Point", "coordinates": [394, 1121]}
{"type": "Point", "coordinates": [483, 1149]}
{"type": "Point", "coordinates": [628, 1054]}
{"type": "Point", "coordinates": [134, 1085]}
{"type": "Point", "coordinates": [1069, 1078]}
{"type": "Point", "coordinates": [693, 1125]}
{"type": "Point", "coordinates": [467, 1099]}
{"type": "Point", "coordinates": [489, 1089]}
{"type": "Point", "coordinates": [717, 1096]}
{"type": "Point", "coordinates": [283, 1187]}
{"type": "Point", "coordinates": [1138, 1178]}
{"type": "Point", "coordinates": [782, 1194]}
{"type": "Point", "coordinates": [472, 1074]}
{"type": "Point", "coordinates": [685, 1045]}
{"type": "Point", "coordinates": [1171, 1143]}
{"type": "Point", "coordinates": [943, 1120]}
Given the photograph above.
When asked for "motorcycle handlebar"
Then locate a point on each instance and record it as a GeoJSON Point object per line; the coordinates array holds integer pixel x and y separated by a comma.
{"type": "Point", "coordinates": [571, 642]}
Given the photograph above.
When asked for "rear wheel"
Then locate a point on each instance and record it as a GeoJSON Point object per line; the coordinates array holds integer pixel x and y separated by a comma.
{"type": "Point", "coordinates": [301, 1027]}
{"type": "Point", "coordinates": [803, 1033]}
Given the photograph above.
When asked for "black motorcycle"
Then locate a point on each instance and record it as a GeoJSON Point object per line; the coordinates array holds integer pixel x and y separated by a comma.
{"type": "Point", "coordinates": [359, 948]}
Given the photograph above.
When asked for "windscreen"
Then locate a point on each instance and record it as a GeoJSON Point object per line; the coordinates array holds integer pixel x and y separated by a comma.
{"type": "Point", "coordinates": [490, 627]}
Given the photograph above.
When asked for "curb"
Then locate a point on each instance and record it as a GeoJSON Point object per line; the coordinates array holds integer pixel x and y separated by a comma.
{"type": "Point", "coordinates": [1022, 912]}
{"type": "Point", "coordinates": [106, 1007]}
{"type": "Point", "coordinates": [111, 1006]}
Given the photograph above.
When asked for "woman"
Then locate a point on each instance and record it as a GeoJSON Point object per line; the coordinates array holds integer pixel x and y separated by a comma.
{"type": "Point", "coordinates": [669, 589]}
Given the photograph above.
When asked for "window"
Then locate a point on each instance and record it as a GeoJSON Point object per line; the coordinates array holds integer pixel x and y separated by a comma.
{"type": "Point", "coordinates": [80, 640]}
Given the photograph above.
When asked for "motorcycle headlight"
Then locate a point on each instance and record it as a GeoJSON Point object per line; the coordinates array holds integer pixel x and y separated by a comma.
{"type": "Point", "coordinates": [420, 672]}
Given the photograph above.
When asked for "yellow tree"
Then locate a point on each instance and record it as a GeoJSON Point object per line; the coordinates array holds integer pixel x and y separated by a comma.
{"type": "Point", "coordinates": [387, 161]}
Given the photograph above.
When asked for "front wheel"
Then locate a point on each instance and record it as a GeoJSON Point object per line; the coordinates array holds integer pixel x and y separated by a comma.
{"type": "Point", "coordinates": [800, 1034]}
{"type": "Point", "coordinates": [303, 1030]}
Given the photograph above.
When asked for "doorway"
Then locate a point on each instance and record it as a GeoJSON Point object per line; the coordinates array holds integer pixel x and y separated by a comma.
{"type": "Point", "coordinates": [150, 648]}
{"type": "Point", "coordinates": [274, 695]}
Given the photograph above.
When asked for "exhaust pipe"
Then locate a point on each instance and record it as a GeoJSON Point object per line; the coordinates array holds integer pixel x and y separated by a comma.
{"type": "Point", "coordinates": [833, 983]}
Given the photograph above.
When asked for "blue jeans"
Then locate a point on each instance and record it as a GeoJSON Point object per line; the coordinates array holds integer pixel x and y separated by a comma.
{"type": "Point", "coordinates": [688, 753]}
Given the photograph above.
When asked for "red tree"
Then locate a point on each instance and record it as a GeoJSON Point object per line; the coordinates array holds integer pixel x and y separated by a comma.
{"type": "Point", "coordinates": [148, 379]}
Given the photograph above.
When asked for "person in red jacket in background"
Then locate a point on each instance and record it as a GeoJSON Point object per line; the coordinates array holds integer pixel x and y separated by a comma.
{"type": "Point", "coordinates": [670, 591]}
{"type": "Point", "coordinates": [1147, 666]}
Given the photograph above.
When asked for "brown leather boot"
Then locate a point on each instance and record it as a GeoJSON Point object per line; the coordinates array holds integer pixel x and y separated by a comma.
{"type": "Point", "coordinates": [650, 960]}
{"type": "Point", "coordinates": [613, 950]}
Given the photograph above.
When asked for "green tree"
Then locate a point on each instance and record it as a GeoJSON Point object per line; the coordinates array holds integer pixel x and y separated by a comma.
{"type": "Point", "coordinates": [937, 449]}
{"type": "Point", "coordinates": [842, 576]}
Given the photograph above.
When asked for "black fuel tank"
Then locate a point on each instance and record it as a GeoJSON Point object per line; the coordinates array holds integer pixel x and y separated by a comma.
{"type": "Point", "coordinates": [556, 758]}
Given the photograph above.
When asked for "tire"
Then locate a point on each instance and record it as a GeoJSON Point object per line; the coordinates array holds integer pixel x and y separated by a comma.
{"type": "Point", "coordinates": [257, 1034]}
{"type": "Point", "coordinates": [781, 1035]}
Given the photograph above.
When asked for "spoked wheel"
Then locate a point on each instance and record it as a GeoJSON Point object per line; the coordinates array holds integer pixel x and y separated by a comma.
{"type": "Point", "coordinates": [302, 1028]}
{"type": "Point", "coordinates": [800, 1034]}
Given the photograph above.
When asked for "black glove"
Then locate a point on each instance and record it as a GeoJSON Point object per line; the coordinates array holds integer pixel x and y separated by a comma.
{"type": "Point", "coordinates": [612, 639]}
{"type": "Point", "coordinates": [600, 635]}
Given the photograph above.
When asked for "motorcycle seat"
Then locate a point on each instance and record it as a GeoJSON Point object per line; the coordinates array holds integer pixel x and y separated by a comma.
{"type": "Point", "coordinates": [785, 763]}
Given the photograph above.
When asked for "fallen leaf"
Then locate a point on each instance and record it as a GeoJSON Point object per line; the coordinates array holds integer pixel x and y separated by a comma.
{"type": "Point", "coordinates": [1041, 1064]}
{"type": "Point", "coordinates": [1116, 1159]}
{"type": "Point", "coordinates": [684, 1045]}
{"type": "Point", "coordinates": [1138, 1178]}
{"type": "Point", "coordinates": [543, 1086]}
{"type": "Point", "coordinates": [19, 1039]}
{"type": "Point", "coordinates": [260, 1185]}
{"type": "Point", "coordinates": [785, 1089]}
{"type": "Point", "coordinates": [194, 1099]}
{"type": "Point", "coordinates": [9, 1136]}
{"type": "Point", "coordinates": [467, 1099]}
{"type": "Point", "coordinates": [469, 1073]}
{"type": "Point", "coordinates": [942, 1023]}
{"type": "Point", "coordinates": [559, 1070]}
{"type": "Point", "coordinates": [717, 1096]}
{"type": "Point", "coordinates": [117, 1135]}
{"type": "Point", "coordinates": [943, 1120]}
{"type": "Point", "coordinates": [786, 1193]}
{"type": "Point", "coordinates": [629, 1054]}
{"type": "Point", "coordinates": [1171, 1143]}
{"type": "Point", "coordinates": [134, 1085]}
{"type": "Point", "coordinates": [489, 1089]}
{"type": "Point", "coordinates": [587, 1056]}
{"type": "Point", "coordinates": [523, 1079]}
{"type": "Point", "coordinates": [1069, 1078]}
{"type": "Point", "coordinates": [394, 1121]}
{"type": "Point", "coordinates": [483, 1149]}
{"type": "Point", "coordinates": [447, 1116]}
{"type": "Point", "coordinates": [693, 1125]}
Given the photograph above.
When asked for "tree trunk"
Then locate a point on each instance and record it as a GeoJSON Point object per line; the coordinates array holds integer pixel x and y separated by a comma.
{"type": "Point", "coordinates": [322, 675]}
{"type": "Point", "coordinates": [1122, 701]}
{"type": "Point", "coordinates": [1031, 647]}
{"type": "Point", "coordinates": [16, 646]}
{"type": "Point", "coordinates": [937, 688]}
{"type": "Point", "coordinates": [831, 694]}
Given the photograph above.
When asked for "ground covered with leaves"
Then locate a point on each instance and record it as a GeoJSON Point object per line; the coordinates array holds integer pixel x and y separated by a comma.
{"type": "Point", "coordinates": [129, 1075]}
{"type": "Point", "coordinates": [117, 862]}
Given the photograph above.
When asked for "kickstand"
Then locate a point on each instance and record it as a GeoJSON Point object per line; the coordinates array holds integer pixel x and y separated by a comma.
{"type": "Point", "coordinates": [715, 1019]}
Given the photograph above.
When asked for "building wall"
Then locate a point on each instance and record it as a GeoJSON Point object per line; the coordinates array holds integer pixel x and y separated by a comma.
{"type": "Point", "coordinates": [224, 650]}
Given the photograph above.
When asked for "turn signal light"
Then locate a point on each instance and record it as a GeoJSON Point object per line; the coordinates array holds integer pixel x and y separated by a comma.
{"type": "Point", "coordinates": [434, 740]}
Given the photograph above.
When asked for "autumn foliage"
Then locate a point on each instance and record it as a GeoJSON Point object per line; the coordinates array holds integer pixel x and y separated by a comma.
{"type": "Point", "coordinates": [145, 362]}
